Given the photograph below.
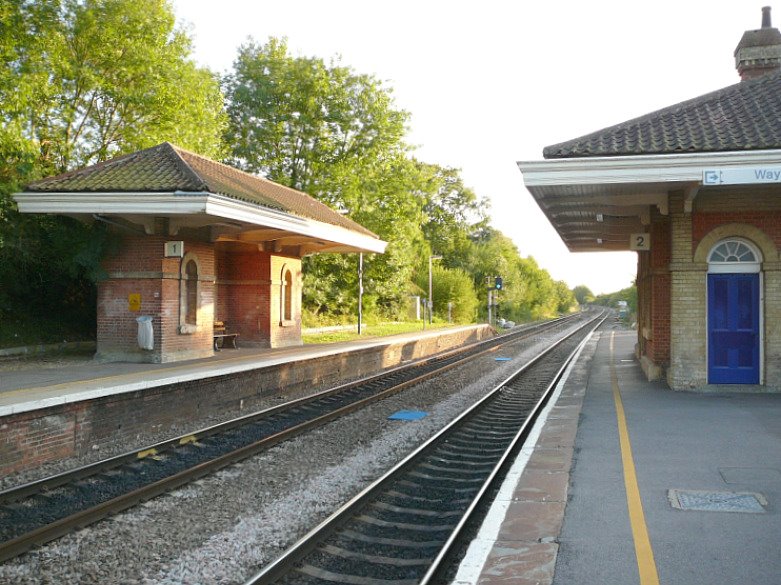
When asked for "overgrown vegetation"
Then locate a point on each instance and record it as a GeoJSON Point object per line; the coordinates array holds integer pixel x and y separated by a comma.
{"type": "Point", "coordinates": [628, 295]}
{"type": "Point", "coordinates": [90, 79]}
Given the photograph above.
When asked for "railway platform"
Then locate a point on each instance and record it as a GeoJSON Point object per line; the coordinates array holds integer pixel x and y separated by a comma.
{"type": "Point", "coordinates": [629, 482]}
{"type": "Point", "coordinates": [24, 389]}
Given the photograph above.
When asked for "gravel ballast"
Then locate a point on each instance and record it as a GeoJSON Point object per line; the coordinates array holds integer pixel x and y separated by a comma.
{"type": "Point", "coordinates": [225, 527]}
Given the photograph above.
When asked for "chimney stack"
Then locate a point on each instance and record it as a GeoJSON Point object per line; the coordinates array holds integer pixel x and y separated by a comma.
{"type": "Point", "coordinates": [759, 51]}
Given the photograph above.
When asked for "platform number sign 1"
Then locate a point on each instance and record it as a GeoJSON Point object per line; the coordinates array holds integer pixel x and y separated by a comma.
{"type": "Point", "coordinates": [640, 242]}
{"type": "Point", "coordinates": [174, 249]}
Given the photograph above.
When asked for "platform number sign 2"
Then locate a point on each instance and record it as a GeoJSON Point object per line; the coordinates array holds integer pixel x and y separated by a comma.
{"type": "Point", "coordinates": [640, 242]}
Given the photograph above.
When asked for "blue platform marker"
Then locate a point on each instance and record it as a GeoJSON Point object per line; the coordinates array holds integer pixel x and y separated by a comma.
{"type": "Point", "coordinates": [502, 359]}
{"type": "Point", "coordinates": [408, 415]}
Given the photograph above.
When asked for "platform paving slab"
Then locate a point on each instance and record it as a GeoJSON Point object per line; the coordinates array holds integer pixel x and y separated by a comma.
{"type": "Point", "coordinates": [680, 440]}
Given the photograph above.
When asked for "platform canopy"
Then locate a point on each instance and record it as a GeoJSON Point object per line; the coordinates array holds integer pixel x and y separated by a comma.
{"type": "Point", "coordinates": [599, 190]}
{"type": "Point", "coordinates": [170, 189]}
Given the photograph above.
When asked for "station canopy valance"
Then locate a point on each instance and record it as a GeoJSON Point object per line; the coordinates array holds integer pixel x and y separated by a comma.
{"type": "Point", "coordinates": [166, 185]}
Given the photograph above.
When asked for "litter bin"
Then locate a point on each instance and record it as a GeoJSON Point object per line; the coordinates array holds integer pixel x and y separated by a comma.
{"type": "Point", "coordinates": [146, 335]}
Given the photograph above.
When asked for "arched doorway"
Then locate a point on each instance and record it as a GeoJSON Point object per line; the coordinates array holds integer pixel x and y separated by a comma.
{"type": "Point", "coordinates": [734, 312]}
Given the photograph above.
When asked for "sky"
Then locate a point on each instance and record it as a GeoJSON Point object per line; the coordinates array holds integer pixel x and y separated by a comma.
{"type": "Point", "coordinates": [490, 83]}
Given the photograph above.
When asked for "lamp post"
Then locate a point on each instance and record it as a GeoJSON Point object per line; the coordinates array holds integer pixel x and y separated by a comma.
{"type": "Point", "coordinates": [430, 293]}
{"type": "Point", "coordinates": [360, 291]}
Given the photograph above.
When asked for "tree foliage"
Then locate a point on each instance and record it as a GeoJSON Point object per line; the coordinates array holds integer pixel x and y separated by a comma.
{"type": "Point", "coordinates": [583, 294]}
{"type": "Point", "coordinates": [86, 80]}
{"type": "Point", "coordinates": [90, 79]}
{"type": "Point", "coordinates": [305, 123]}
{"type": "Point", "coordinates": [336, 135]}
{"type": "Point", "coordinates": [628, 294]}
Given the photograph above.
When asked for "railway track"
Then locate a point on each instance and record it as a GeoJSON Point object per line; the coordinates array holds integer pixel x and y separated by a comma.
{"type": "Point", "coordinates": [38, 512]}
{"type": "Point", "coordinates": [402, 529]}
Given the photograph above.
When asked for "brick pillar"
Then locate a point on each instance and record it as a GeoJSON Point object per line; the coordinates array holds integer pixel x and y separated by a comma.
{"type": "Point", "coordinates": [141, 281]}
{"type": "Point", "coordinates": [285, 332]}
{"type": "Point", "coordinates": [772, 322]}
{"type": "Point", "coordinates": [654, 286]}
{"type": "Point", "coordinates": [688, 359]}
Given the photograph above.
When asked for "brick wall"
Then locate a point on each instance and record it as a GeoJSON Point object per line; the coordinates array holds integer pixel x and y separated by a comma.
{"type": "Point", "coordinates": [688, 363]}
{"type": "Point", "coordinates": [653, 284]}
{"type": "Point", "coordinates": [139, 267]}
{"type": "Point", "coordinates": [753, 214]}
{"type": "Point", "coordinates": [135, 267]}
{"type": "Point", "coordinates": [243, 281]}
{"type": "Point", "coordinates": [767, 221]}
{"type": "Point", "coordinates": [32, 438]}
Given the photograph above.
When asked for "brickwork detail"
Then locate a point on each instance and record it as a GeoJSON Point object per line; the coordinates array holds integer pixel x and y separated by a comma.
{"type": "Point", "coordinates": [243, 289]}
{"type": "Point", "coordinates": [688, 360]}
{"type": "Point", "coordinates": [692, 236]}
{"type": "Point", "coordinates": [139, 267]}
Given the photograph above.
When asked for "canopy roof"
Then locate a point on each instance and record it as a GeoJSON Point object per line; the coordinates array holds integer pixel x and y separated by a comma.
{"type": "Point", "coordinates": [599, 189]}
{"type": "Point", "coordinates": [191, 191]}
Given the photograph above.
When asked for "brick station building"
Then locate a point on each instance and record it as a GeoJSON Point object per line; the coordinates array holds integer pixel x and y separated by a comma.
{"type": "Point", "coordinates": [199, 242]}
{"type": "Point", "coordinates": [695, 189]}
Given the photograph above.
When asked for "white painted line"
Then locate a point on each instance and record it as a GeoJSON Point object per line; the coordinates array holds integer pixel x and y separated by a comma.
{"type": "Point", "coordinates": [480, 548]}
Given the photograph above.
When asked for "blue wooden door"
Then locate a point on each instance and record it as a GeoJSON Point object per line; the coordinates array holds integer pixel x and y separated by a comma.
{"type": "Point", "coordinates": [733, 328]}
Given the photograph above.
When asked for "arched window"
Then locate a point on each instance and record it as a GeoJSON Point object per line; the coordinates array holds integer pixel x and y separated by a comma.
{"type": "Point", "coordinates": [287, 294]}
{"type": "Point", "coordinates": [734, 255]}
{"type": "Point", "coordinates": [189, 293]}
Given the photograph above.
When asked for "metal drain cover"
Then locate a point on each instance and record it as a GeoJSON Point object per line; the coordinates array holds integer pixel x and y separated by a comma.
{"type": "Point", "coordinates": [709, 501]}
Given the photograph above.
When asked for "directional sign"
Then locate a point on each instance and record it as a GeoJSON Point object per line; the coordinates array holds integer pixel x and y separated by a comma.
{"type": "Point", "coordinates": [749, 176]}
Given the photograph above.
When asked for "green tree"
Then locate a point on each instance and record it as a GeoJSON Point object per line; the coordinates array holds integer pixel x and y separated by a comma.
{"type": "Point", "coordinates": [583, 294]}
{"type": "Point", "coordinates": [336, 135]}
{"type": "Point", "coordinates": [307, 124]}
{"type": "Point", "coordinates": [453, 212]}
{"type": "Point", "coordinates": [628, 294]}
{"type": "Point", "coordinates": [86, 80]}
{"type": "Point", "coordinates": [111, 76]}
{"type": "Point", "coordinates": [566, 298]}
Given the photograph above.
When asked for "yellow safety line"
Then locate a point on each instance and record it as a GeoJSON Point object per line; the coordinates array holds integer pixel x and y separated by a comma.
{"type": "Point", "coordinates": [643, 551]}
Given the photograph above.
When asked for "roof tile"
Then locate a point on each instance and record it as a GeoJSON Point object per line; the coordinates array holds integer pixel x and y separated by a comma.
{"type": "Point", "coordinates": [744, 116]}
{"type": "Point", "coordinates": [168, 168]}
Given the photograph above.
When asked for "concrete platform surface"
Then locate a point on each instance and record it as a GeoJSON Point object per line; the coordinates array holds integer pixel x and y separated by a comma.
{"type": "Point", "coordinates": [33, 384]}
{"type": "Point", "coordinates": [563, 516]}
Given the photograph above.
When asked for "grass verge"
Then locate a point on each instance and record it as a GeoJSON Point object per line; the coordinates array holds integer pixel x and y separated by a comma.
{"type": "Point", "coordinates": [331, 335]}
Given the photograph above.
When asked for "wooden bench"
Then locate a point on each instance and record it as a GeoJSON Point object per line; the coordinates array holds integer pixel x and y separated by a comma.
{"type": "Point", "coordinates": [221, 335]}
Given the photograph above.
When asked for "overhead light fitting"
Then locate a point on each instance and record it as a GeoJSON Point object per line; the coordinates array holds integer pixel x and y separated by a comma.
{"type": "Point", "coordinates": [599, 240]}
{"type": "Point", "coordinates": [600, 217]}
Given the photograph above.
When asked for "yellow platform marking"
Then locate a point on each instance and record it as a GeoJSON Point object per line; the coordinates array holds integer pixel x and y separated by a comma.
{"type": "Point", "coordinates": [646, 565]}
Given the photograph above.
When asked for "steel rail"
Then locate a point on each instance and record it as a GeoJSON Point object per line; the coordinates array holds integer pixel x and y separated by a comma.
{"type": "Point", "coordinates": [517, 443]}
{"type": "Point", "coordinates": [25, 490]}
{"type": "Point", "coordinates": [281, 566]}
{"type": "Point", "coordinates": [62, 526]}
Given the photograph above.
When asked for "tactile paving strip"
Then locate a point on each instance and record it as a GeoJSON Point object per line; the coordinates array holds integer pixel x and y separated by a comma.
{"type": "Point", "coordinates": [713, 501]}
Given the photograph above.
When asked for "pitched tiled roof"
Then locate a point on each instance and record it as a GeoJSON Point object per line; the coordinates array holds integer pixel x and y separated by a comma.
{"type": "Point", "coordinates": [168, 168]}
{"type": "Point", "coordinates": [744, 116]}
